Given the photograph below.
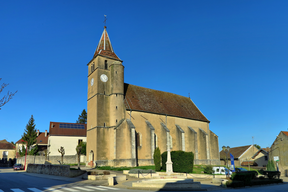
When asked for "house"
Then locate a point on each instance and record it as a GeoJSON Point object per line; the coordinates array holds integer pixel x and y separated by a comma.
{"type": "Point", "coordinates": [279, 152]}
{"type": "Point", "coordinates": [125, 123]}
{"type": "Point", "coordinates": [7, 152]}
{"type": "Point", "coordinates": [41, 141]}
{"type": "Point", "coordinates": [67, 135]}
{"type": "Point", "coordinates": [245, 155]}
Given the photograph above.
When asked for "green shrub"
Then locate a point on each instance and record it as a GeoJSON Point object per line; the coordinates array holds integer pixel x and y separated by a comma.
{"type": "Point", "coordinates": [271, 166]}
{"type": "Point", "coordinates": [106, 172]}
{"type": "Point", "coordinates": [182, 161]}
{"type": "Point", "coordinates": [157, 159]}
{"type": "Point", "coordinates": [208, 169]}
{"type": "Point", "coordinates": [245, 176]}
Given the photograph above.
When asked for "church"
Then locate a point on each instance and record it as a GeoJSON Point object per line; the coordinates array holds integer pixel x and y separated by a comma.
{"type": "Point", "coordinates": [126, 123]}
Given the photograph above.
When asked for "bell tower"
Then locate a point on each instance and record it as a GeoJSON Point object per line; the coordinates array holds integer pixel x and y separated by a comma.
{"type": "Point", "coordinates": [105, 102]}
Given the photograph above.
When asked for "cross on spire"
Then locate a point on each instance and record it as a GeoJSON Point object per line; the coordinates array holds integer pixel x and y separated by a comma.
{"type": "Point", "coordinates": [105, 18]}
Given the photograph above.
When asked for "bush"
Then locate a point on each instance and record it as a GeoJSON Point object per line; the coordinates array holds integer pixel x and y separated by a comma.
{"type": "Point", "coordinates": [182, 161]}
{"type": "Point", "coordinates": [208, 169]}
{"type": "Point", "coordinates": [245, 176]}
{"type": "Point", "coordinates": [271, 166]}
{"type": "Point", "coordinates": [157, 159]}
{"type": "Point", "coordinates": [106, 172]}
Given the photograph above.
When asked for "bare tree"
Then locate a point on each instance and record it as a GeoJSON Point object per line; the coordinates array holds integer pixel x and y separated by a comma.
{"type": "Point", "coordinates": [62, 151]}
{"type": "Point", "coordinates": [7, 97]}
{"type": "Point", "coordinates": [78, 150]}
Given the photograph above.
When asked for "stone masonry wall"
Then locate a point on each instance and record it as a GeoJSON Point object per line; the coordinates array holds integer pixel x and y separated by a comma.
{"type": "Point", "coordinates": [59, 170]}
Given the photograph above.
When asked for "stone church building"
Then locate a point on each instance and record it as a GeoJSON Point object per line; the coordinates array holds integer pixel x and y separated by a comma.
{"type": "Point", "coordinates": [125, 123]}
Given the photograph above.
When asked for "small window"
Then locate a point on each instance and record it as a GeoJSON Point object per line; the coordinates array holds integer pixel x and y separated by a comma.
{"type": "Point", "coordinates": [116, 72]}
{"type": "Point", "coordinates": [80, 141]}
{"type": "Point", "coordinates": [116, 120]}
{"type": "Point", "coordinates": [106, 65]}
{"type": "Point", "coordinates": [40, 141]}
{"type": "Point", "coordinates": [104, 124]}
{"type": "Point", "coordinates": [266, 158]}
{"type": "Point", "coordinates": [104, 92]}
{"type": "Point", "coordinates": [116, 107]}
{"type": "Point", "coordinates": [116, 95]}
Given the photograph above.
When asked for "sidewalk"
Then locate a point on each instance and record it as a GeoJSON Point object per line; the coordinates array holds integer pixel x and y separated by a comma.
{"type": "Point", "coordinates": [206, 184]}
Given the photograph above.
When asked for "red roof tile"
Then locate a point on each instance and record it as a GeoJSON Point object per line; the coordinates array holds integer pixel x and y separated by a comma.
{"type": "Point", "coordinates": [104, 47]}
{"type": "Point", "coordinates": [149, 100]}
{"type": "Point", "coordinates": [41, 139]}
{"type": "Point", "coordinates": [285, 132]}
{"type": "Point", "coordinates": [55, 130]}
{"type": "Point", "coordinates": [235, 151]}
{"type": "Point", "coordinates": [6, 146]}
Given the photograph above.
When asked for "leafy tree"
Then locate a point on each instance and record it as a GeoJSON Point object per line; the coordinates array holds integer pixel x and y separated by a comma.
{"type": "Point", "coordinates": [62, 152]}
{"type": "Point", "coordinates": [29, 137]}
{"type": "Point", "coordinates": [83, 150]}
{"type": "Point", "coordinates": [257, 146]}
{"type": "Point", "coordinates": [82, 118]}
{"type": "Point", "coordinates": [157, 159]}
{"type": "Point", "coordinates": [7, 97]}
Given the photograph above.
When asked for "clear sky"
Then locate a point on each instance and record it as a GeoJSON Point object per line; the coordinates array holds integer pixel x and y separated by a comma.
{"type": "Point", "coordinates": [231, 56]}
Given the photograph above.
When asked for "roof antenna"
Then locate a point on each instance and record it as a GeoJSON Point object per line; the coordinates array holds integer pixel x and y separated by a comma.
{"type": "Point", "coordinates": [189, 95]}
{"type": "Point", "coordinates": [105, 18]}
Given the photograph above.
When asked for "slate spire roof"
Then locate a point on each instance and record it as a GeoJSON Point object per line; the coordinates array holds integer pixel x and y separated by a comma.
{"type": "Point", "coordinates": [104, 47]}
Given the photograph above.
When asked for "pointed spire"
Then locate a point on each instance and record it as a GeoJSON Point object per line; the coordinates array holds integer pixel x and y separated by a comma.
{"type": "Point", "coordinates": [104, 47]}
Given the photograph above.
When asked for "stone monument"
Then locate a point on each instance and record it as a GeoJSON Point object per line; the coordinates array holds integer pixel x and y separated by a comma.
{"type": "Point", "coordinates": [169, 163]}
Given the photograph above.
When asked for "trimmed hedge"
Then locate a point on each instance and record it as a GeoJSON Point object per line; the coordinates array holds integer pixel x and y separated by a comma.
{"type": "Point", "coordinates": [182, 161]}
{"type": "Point", "coordinates": [157, 159]}
{"type": "Point", "coordinates": [245, 176]}
{"type": "Point", "coordinates": [259, 181]}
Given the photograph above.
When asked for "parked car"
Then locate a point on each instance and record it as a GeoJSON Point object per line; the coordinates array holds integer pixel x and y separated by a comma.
{"type": "Point", "coordinates": [221, 170]}
{"type": "Point", "coordinates": [18, 167]}
{"type": "Point", "coordinates": [240, 169]}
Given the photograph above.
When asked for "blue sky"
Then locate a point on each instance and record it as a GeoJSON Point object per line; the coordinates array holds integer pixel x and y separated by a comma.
{"type": "Point", "coordinates": [231, 56]}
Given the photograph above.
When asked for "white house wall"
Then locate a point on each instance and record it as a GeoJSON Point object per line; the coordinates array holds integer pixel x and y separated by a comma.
{"type": "Point", "coordinates": [68, 142]}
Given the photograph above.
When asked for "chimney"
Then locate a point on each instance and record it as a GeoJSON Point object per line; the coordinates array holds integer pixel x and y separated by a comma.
{"type": "Point", "coordinates": [45, 133]}
{"type": "Point", "coordinates": [37, 132]}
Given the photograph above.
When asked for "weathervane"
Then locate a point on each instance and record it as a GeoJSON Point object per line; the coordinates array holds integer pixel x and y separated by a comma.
{"type": "Point", "coordinates": [105, 20]}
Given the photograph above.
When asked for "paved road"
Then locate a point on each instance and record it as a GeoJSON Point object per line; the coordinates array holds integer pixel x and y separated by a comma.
{"type": "Point", "coordinates": [22, 182]}
{"type": "Point", "coordinates": [19, 181]}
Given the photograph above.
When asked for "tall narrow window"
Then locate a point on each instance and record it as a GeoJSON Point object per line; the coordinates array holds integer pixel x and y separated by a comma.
{"type": "Point", "coordinates": [116, 120]}
{"type": "Point", "coordinates": [106, 65]}
{"type": "Point", "coordinates": [104, 124]}
{"type": "Point", "coordinates": [116, 107]}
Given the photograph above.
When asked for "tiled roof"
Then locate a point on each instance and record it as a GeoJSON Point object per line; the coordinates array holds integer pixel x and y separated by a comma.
{"type": "Point", "coordinates": [6, 146]}
{"type": "Point", "coordinates": [105, 47]}
{"type": "Point", "coordinates": [235, 151]}
{"type": "Point", "coordinates": [55, 130]}
{"type": "Point", "coordinates": [285, 132]}
{"type": "Point", "coordinates": [267, 149]}
{"type": "Point", "coordinates": [41, 139]}
{"type": "Point", "coordinates": [149, 100]}
{"type": "Point", "coordinates": [4, 141]}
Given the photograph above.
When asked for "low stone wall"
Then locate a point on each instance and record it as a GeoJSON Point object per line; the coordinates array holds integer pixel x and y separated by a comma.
{"type": "Point", "coordinates": [67, 159]}
{"type": "Point", "coordinates": [58, 170]}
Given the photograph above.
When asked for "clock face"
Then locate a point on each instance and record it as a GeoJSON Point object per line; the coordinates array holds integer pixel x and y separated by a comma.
{"type": "Point", "coordinates": [92, 82]}
{"type": "Point", "coordinates": [104, 78]}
